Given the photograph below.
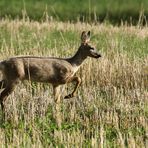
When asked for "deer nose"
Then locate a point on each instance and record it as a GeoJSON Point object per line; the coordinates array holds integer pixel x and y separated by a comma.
{"type": "Point", "coordinates": [99, 55]}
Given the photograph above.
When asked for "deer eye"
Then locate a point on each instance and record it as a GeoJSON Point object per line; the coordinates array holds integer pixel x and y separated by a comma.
{"type": "Point", "coordinates": [91, 48]}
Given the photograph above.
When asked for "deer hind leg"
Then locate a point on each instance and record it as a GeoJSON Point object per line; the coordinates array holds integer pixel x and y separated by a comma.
{"type": "Point", "coordinates": [78, 82]}
{"type": "Point", "coordinates": [5, 93]}
{"type": "Point", "coordinates": [3, 84]}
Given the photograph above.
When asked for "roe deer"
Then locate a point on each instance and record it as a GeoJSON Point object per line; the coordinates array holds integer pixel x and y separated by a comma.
{"type": "Point", "coordinates": [52, 70]}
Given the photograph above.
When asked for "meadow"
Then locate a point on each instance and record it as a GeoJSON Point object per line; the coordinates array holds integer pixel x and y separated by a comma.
{"type": "Point", "coordinates": [111, 106]}
{"type": "Point", "coordinates": [114, 11]}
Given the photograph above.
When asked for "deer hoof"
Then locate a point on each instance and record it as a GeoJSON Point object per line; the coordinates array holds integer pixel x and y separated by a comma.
{"type": "Point", "coordinates": [69, 96]}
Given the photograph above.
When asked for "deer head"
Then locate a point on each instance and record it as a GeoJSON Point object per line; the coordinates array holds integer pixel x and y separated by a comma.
{"type": "Point", "coordinates": [86, 48]}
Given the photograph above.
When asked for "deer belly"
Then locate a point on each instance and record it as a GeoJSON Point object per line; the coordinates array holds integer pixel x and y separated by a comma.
{"type": "Point", "coordinates": [52, 73]}
{"type": "Point", "coordinates": [38, 75]}
{"type": "Point", "coordinates": [59, 79]}
{"type": "Point", "coordinates": [48, 77]}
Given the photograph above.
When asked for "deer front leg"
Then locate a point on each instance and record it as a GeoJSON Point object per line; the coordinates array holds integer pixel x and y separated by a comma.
{"type": "Point", "coordinates": [57, 105]}
{"type": "Point", "coordinates": [78, 82]}
{"type": "Point", "coordinates": [56, 93]}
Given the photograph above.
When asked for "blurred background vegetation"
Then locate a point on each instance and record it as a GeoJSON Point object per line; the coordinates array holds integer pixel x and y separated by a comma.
{"type": "Point", "coordinates": [114, 11]}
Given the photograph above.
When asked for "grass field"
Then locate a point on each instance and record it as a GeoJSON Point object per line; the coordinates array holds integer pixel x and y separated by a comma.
{"type": "Point", "coordinates": [113, 11]}
{"type": "Point", "coordinates": [111, 106]}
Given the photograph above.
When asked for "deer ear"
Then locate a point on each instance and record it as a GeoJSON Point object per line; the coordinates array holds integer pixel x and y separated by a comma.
{"type": "Point", "coordinates": [88, 34]}
{"type": "Point", "coordinates": [83, 37]}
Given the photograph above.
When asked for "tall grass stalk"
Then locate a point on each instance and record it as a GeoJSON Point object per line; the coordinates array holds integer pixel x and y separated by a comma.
{"type": "Point", "coordinates": [110, 109]}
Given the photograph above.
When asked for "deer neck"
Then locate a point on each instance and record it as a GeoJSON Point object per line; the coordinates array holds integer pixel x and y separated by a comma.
{"type": "Point", "coordinates": [77, 59]}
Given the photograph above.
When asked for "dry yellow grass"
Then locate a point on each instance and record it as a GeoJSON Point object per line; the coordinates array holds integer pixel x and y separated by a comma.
{"type": "Point", "coordinates": [111, 108]}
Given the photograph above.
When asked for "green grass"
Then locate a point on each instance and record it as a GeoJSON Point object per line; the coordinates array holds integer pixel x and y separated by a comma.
{"type": "Point", "coordinates": [69, 10]}
{"type": "Point", "coordinates": [110, 109]}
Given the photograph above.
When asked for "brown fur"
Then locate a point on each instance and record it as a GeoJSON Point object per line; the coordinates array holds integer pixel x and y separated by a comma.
{"type": "Point", "coordinates": [56, 71]}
